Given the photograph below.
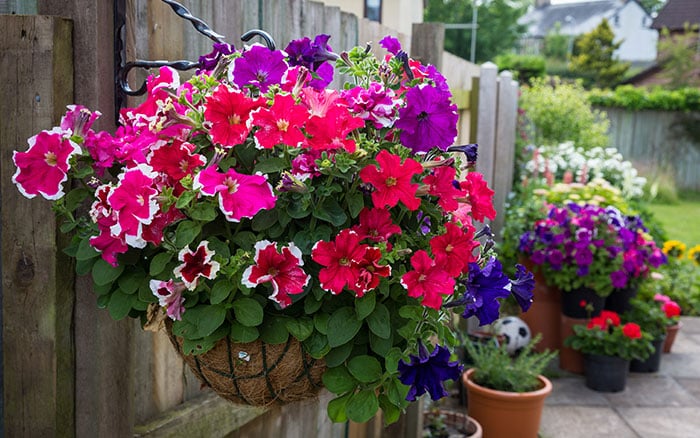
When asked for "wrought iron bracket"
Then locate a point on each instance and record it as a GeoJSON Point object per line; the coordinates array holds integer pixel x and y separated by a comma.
{"type": "Point", "coordinates": [122, 89]}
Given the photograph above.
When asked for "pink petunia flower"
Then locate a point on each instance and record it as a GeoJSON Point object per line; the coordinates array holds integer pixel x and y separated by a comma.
{"type": "Point", "coordinates": [229, 112]}
{"type": "Point", "coordinates": [370, 272]}
{"type": "Point", "coordinates": [78, 120]}
{"type": "Point", "coordinates": [454, 250]}
{"type": "Point", "coordinates": [196, 265]}
{"type": "Point", "coordinates": [170, 297]}
{"type": "Point", "coordinates": [239, 195]}
{"type": "Point", "coordinates": [427, 280]}
{"type": "Point", "coordinates": [392, 181]}
{"type": "Point", "coordinates": [134, 202]}
{"type": "Point", "coordinates": [43, 168]}
{"type": "Point", "coordinates": [340, 259]}
{"type": "Point", "coordinates": [281, 123]}
{"type": "Point", "coordinates": [282, 269]}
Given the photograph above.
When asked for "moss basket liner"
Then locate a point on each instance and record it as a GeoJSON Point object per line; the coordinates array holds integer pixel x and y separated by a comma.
{"type": "Point", "coordinates": [256, 373]}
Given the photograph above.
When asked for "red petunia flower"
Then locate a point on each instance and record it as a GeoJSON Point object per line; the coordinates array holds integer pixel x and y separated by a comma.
{"type": "Point", "coordinates": [632, 330]}
{"type": "Point", "coordinates": [454, 250]}
{"type": "Point", "coordinates": [341, 259]}
{"type": "Point", "coordinates": [283, 270]}
{"type": "Point", "coordinates": [392, 181]}
{"type": "Point", "coordinates": [228, 111]}
{"type": "Point", "coordinates": [440, 184]}
{"type": "Point", "coordinates": [196, 265]}
{"type": "Point", "coordinates": [376, 224]}
{"type": "Point", "coordinates": [671, 309]}
{"type": "Point", "coordinates": [427, 280]}
{"type": "Point", "coordinates": [330, 132]}
{"type": "Point", "coordinates": [281, 123]}
{"type": "Point", "coordinates": [610, 317]}
{"type": "Point", "coordinates": [480, 196]}
{"type": "Point", "coordinates": [370, 272]}
{"type": "Point", "coordinates": [174, 159]}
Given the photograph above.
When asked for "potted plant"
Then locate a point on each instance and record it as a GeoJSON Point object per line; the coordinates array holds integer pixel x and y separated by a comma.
{"type": "Point", "coordinates": [653, 316]}
{"type": "Point", "coordinates": [672, 323]}
{"type": "Point", "coordinates": [608, 346]}
{"type": "Point", "coordinates": [292, 236]}
{"type": "Point", "coordinates": [506, 394]}
{"type": "Point", "coordinates": [446, 423]}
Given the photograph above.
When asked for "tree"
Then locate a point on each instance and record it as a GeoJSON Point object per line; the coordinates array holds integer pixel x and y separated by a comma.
{"type": "Point", "coordinates": [652, 5]}
{"type": "Point", "coordinates": [593, 58]}
{"type": "Point", "coordinates": [556, 44]}
{"type": "Point", "coordinates": [498, 30]}
{"type": "Point", "coordinates": [679, 57]}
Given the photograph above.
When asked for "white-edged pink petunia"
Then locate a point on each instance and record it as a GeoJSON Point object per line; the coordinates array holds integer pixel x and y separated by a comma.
{"type": "Point", "coordinates": [170, 297]}
{"type": "Point", "coordinates": [78, 120]}
{"type": "Point", "coordinates": [134, 201]}
{"type": "Point", "coordinates": [283, 270]}
{"type": "Point", "coordinates": [43, 168]}
{"type": "Point", "coordinates": [196, 265]}
{"type": "Point", "coordinates": [240, 195]}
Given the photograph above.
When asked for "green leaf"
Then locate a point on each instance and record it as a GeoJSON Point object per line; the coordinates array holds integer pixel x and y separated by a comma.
{"type": "Point", "coordinates": [220, 291]}
{"type": "Point", "coordinates": [248, 312]}
{"type": "Point", "coordinates": [102, 290]}
{"type": "Point", "coordinates": [220, 248]}
{"type": "Point", "coordinates": [391, 360]}
{"type": "Point", "coordinates": [186, 232]}
{"type": "Point", "coordinates": [263, 220]}
{"type": "Point", "coordinates": [362, 406]}
{"type": "Point", "coordinates": [390, 412]}
{"type": "Point", "coordinates": [331, 211]}
{"type": "Point", "coordinates": [321, 322]}
{"type": "Point", "coordinates": [84, 267]}
{"type": "Point", "coordinates": [130, 281]}
{"type": "Point", "coordinates": [120, 304]}
{"type": "Point", "coordinates": [300, 328]}
{"type": "Point", "coordinates": [366, 369]}
{"type": "Point", "coordinates": [338, 380]}
{"type": "Point", "coordinates": [298, 209]}
{"type": "Point", "coordinates": [343, 325]}
{"type": "Point", "coordinates": [145, 293]}
{"type": "Point", "coordinates": [271, 165]}
{"type": "Point", "coordinates": [336, 409]}
{"type": "Point", "coordinates": [185, 199]}
{"type": "Point", "coordinates": [274, 331]}
{"type": "Point", "coordinates": [244, 239]}
{"type": "Point", "coordinates": [338, 355]}
{"type": "Point", "coordinates": [365, 305]}
{"type": "Point", "coordinates": [379, 345]}
{"type": "Point", "coordinates": [396, 391]}
{"type": "Point", "coordinates": [199, 322]}
{"type": "Point", "coordinates": [317, 345]}
{"type": "Point", "coordinates": [158, 263]}
{"type": "Point", "coordinates": [379, 321]}
{"type": "Point", "coordinates": [76, 197]}
{"type": "Point", "coordinates": [67, 227]}
{"type": "Point", "coordinates": [311, 306]}
{"type": "Point", "coordinates": [411, 312]}
{"type": "Point", "coordinates": [356, 203]}
{"type": "Point", "coordinates": [243, 334]}
{"type": "Point", "coordinates": [200, 346]}
{"type": "Point", "coordinates": [103, 301]}
{"type": "Point", "coordinates": [86, 251]}
{"type": "Point", "coordinates": [104, 273]}
{"type": "Point", "coordinates": [203, 211]}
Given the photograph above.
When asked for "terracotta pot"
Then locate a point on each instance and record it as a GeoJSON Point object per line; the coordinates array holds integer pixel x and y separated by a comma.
{"type": "Point", "coordinates": [458, 424]}
{"type": "Point", "coordinates": [506, 414]}
{"type": "Point", "coordinates": [543, 315]}
{"type": "Point", "coordinates": [569, 359]}
{"type": "Point", "coordinates": [671, 332]}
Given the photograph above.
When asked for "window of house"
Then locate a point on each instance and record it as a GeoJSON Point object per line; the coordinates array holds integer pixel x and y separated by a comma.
{"type": "Point", "coordinates": [373, 10]}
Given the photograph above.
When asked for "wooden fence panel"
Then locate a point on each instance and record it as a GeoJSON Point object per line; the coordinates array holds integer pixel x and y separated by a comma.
{"type": "Point", "coordinates": [486, 120]}
{"type": "Point", "coordinates": [506, 115]}
{"type": "Point", "coordinates": [36, 67]}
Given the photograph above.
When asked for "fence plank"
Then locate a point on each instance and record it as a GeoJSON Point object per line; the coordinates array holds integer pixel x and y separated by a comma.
{"type": "Point", "coordinates": [427, 43]}
{"type": "Point", "coordinates": [36, 67]}
{"type": "Point", "coordinates": [486, 120]}
{"type": "Point", "coordinates": [507, 115]}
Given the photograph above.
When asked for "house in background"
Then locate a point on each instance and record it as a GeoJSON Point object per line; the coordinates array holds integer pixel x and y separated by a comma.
{"type": "Point", "coordinates": [396, 14]}
{"type": "Point", "coordinates": [630, 22]}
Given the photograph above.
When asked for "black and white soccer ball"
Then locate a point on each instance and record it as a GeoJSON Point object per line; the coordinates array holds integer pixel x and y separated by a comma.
{"type": "Point", "coordinates": [516, 334]}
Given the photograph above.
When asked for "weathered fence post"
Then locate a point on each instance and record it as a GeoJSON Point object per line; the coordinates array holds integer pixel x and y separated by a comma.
{"type": "Point", "coordinates": [427, 43]}
{"type": "Point", "coordinates": [36, 68]}
{"type": "Point", "coordinates": [486, 119]}
{"type": "Point", "coordinates": [507, 115]}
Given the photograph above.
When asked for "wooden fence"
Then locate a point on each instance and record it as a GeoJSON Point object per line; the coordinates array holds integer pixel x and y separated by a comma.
{"type": "Point", "coordinates": [69, 370]}
{"type": "Point", "coordinates": [657, 141]}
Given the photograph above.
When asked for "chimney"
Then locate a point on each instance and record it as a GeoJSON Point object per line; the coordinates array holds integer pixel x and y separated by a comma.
{"type": "Point", "coordinates": [542, 3]}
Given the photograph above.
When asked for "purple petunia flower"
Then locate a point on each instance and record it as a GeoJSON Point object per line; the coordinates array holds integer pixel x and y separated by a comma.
{"type": "Point", "coordinates": [258, 66]}
{"type": "Point", "coordinates": [522, 287]}
{"type": "Point", "coordinates": [484, 286]}
{"type": "Point", "coordinates": [390, 44]}
{"type": "Point", "coordinates": [209, 61]}
{"type": "Point", "coordinates": [428, 120]}
{"type": "Point", "coordinates": [583, 256]}
{"type": "Point", "coordinates": [470, 150]}
{"type": "Point", "coordinates": [313, 55]}
{"type": "Point", "coordinates": [618, 279]}
{"type": "Point", "coordinates": [427, 372]}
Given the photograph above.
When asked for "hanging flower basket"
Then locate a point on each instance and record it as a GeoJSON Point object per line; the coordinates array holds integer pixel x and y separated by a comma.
{"type": "Point", "coordinates": [256, 373]}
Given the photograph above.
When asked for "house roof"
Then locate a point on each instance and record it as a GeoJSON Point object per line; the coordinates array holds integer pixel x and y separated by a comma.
{"type": "Point", "coordinates": [570, 15]}
{"type": "Point", "coordinates": [676, 13]}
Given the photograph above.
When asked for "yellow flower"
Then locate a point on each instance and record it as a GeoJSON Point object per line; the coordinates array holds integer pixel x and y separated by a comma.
{"type": "Point", "coordinates": [674, 248]}
{"type": "Point", "coordinates": [694, 254]}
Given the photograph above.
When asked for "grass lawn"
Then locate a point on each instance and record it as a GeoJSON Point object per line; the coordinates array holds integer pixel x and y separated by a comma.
{"type": "Point", "coordinates": [681, 221]}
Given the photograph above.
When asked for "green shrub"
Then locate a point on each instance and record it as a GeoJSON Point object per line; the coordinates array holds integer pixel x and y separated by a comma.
{"type": "Point", "coordinates": [523, 67]}
{"type": "Point", "coordinates": [557, 112]}
{"type": "Point", "coordinates": [636, 98]}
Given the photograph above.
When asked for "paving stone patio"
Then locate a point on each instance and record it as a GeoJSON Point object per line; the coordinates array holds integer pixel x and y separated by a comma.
{"type": "Point", "coordinates": [654, 405]}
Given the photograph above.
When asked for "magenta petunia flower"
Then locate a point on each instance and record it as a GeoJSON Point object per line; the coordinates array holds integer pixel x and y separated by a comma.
{"type": "Point", "coordinates": [239, 195]}
{"type": "Point", "coordinates": [427, 280]}
{"type": "Point", "coordinates": [134, 202]}
{"type": "Point", "coordinates": [376, 104]}
{"type": "Point", "coordinates": [78, 120]}
{"type": "Point", "coordinates": [196, 265]}
{"type": "Point", "coordinates": [170, 297]}
{"type": "Point", "coordinates": [392, 180]}
{"type": "Point", "coordinates": [282, 269]}
{"type": "Point", "coordinates": [43, 168]}
{"type": "Point", "coordinates": [428, 120]}
{"type": "Point", "coordinates": [340, 259]}
{"type": "Point", "coordinates": [391, 44]}
{"type": "Point", "coordinates": [259, 67]}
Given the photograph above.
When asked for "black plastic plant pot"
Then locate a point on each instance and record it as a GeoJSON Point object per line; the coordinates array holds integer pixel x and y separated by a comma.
{"type": "Point", "coordinates": [619, 300]}
{"type": "Point", "coordinates": [653, 362]}
{"type": "Point", "coordinates": [605, 373]}
{"type": "Point", "coordinates": [574, 302]}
